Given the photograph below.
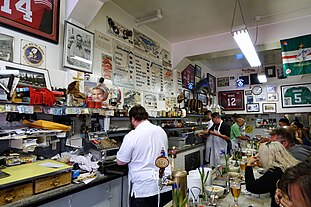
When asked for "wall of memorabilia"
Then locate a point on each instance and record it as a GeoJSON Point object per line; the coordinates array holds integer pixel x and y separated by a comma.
{"type": "Point", "coordinates": [279, 95]}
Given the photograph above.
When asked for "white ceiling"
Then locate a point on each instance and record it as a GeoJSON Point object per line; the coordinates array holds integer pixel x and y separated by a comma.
{"type": "Point", "coordinates": [190, 19]}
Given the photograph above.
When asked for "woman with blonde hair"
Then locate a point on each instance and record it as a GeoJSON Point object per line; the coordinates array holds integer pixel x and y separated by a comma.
{"type": "Point", "coordinates": [275, 159]}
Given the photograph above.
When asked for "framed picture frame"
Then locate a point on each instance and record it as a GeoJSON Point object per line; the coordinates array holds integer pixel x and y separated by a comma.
{"type": "Point", "coordinates": [7, 47]}
{"type": "Point", "coordinates": [202, 97]}
{"type": "Point", "coordinates": [29, 76]}
{"type": "Point", "coordinates": [187, 94]}
{"type": "Point", "coordinates": [231, 100]}
{"type": "Point", "coordinates": [252, 107]}
{"type": "Point", "coordinates": [250, 99]}
{"type": "Point", "coordinates": [280, 73]}
{"type": "Point", "coordinates": [188, 77]}
{"type": "Point", "coordinates": [269, 107]}
{"type": "Point", "coordinates": [272, 97]}
{"type": "Point", "coordinates": [211, 83]}
{"type": "Point", "coordinates": [41, 19]}
{"type": "Point", "coordinates": [270, 71]}
{"type": "Point", "coordinates": [298, 95]}
{"type": "Point", "coordinates": [222, 81]}
{"type": "Point", "coordinates": [198, 71]}
{"type": "Point", "coordinates": [78, 48]}
{"type": "Point", "coordinates": [248, 92]}
{"type": "Point", "coordinates": [271, 88]}
{"type": "Point", "coordinates": [33, 54]}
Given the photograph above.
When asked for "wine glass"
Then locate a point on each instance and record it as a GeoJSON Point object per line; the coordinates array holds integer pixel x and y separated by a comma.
{"type": "Point", "coordinates": [235, 189]}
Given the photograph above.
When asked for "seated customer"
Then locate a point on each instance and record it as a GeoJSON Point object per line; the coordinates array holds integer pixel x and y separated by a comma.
{"type": "Point", "coordinates": [294, 188]}
{"type": "Point", "coordinates": [301, 133]}
{"type": "Point", "coordinates": [275, 160]}
{"type": "Point", "coordinates": [283, 122]}
{"type": "Point", "coordinates": [285, 137]}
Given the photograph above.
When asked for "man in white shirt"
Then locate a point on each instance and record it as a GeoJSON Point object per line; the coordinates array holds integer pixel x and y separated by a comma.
{"type": "Point", "coordinates": [140, 148]}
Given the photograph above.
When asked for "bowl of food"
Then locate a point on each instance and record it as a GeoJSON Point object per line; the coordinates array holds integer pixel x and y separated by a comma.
{"type": "Point", "coordinates": [215, 190]}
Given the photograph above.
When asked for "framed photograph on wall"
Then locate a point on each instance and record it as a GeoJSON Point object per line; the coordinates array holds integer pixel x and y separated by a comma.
{"type": "Point", "coordinates": [33, 54]}
{"type": "Point", "coordinates": [248, 92]}
{"type": "Point", "coordinates": [7, 46]}
{"type": "Point", "coordinates": [187, 94]}
{"type": "Point", "coordinates": [270, 71]}
{"type": "Point", "coordinates": [269, 107]}
{"type": "Point", "coordinates": [252, 107]}
{"type": "Point", "coordinates": [198, 71]}
{"type": "Point", "coordinates": [212, 83]}
{"type": "Point", "coordinates": [202, 97]}
{"type": "Point", "coordinates": [298, 95]}
{"type": "Point", "coordinates": [39, 18]}
{"type": "Point", "coordinates": [273, 97]}
{"type": "Point", "coordinates": [30, 76]}
{"type": "Point", "coordinates": [78, 48]}
{"type": "Point", "coordinates": [188, 77]}
{"type": "Point", "coordinates": [231, 100]}
{"type": "Point", "coordinates": [223, 82]}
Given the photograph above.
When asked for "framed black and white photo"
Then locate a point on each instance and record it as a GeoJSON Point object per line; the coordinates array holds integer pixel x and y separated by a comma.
{"type": "Point", "coordinates": [268, 107]}
{"type": "Point", "coordinates": [252, 107]}
{"type": "Point", "coordinates": [211, 83]}
{"type": "Point", "coordinates": [270, 71]}
{"type": "Point", "coordinates": [223, 82]}
{"type": "Point", "coordinates": [7, 46]}
{"type": "Point", "coordinates": [78, 48]}
{"type": "Point", "coordinates": [298, 95]}
{"type": "Point", "coordinates": [198, 71]}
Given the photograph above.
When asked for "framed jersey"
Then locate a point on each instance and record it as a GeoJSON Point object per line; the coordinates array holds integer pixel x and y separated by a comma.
{"type": "Point", "coordinates": [35, 17]}
{"type": "Point", "coordinates": [231, 100]}
{"type": "Point", "coordinates": [296, 95]}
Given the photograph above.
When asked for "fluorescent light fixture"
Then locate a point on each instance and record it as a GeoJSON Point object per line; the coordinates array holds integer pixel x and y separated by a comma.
{"type": "Point", "coordinates": [155, 17]}
{"type": "Point", "coordinates": [82, 59]}
{"type": "Point", "coordinates": [262, 78]}
{"type": "Point", "coordinates": [244, 41]}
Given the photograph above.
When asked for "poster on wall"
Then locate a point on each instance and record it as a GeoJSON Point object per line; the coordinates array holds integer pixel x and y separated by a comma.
{"type": "Point", "coordinates": [102, 41]}
{"type": "Point", "coordinates": [296, 95]}
{"type": "Point", "coordinates": [165, 56]}
{"type": "Point", "coordinates": [107, 66]}
{"type": "Point", "coordinates": [188, 77]}
{"type": "Point", "coordinates": [150, 101]}
{"type": "Point", "coordinates": [33, 54]}
{"type": "Point", "coordinates": [119, 31]}
{"type": "Point", "coordinates": [39, 18]}
{"type": "Point", "coordinates": [168, 82]}
{"type": "Point", "coordinates": [231, 100]}
{"type": "Point", "coordinates": [146, 44]}
{"type": "Point", "coordinates": [131, 97]}
{"type": "Point", "coordinates": [156, 82]}
{"type": "Point", "coordinates": [123, 71]}
{"type": "Point", "coordinates": [142, 72]}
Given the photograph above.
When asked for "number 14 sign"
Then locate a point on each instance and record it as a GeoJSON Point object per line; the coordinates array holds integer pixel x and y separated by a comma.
{"type": "Point", "coordinates": [231, 100]}
{"type": "Point", "coordinates": [37, 17]}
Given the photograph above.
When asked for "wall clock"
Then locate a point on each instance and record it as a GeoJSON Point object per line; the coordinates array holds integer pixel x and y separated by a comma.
{"type": "Point", "coordinates": [256, 90]}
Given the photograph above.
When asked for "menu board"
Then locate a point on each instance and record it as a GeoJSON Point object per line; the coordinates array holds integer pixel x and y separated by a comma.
{"type": "Point", "coordinates": [142, 69]}
{"type": "Point", "coordinates": [123, 72]}
{"type": "Point", "coordinates": [156, 74]}
{"type": "Point", "coordinates": [231, 100]}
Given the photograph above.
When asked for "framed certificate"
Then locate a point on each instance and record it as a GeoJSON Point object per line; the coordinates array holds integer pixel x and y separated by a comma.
{"type": "Point", "coordinates": [231, 100]}
{"type": "Point", "coordinates": [39, 18]}
{"type": "Point", "coordinates": [296, 95]}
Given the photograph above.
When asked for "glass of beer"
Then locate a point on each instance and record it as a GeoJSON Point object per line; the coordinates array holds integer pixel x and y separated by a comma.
{"type": "Point", "coordinates": [242, 166]}
{"type": "Point", "coordinates": [235, 189]}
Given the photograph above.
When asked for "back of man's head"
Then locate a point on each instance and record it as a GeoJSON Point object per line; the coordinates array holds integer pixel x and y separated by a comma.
{"type": "Point", "coordinates": [286, 134]}
{"type": "Point", "coordinates": [138, 112]}
{"type": "Point", "coordinates": [284, 121]}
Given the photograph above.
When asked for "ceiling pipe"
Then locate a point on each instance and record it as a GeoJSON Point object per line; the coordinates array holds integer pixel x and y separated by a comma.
{"type": "Point", "coordinates": [157, 16]}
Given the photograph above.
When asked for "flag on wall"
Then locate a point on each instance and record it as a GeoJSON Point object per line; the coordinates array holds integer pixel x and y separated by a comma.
{"type": "Point", "coordinates": [296, 55]}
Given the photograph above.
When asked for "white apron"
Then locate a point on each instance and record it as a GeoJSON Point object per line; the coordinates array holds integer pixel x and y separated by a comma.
{"type": "Point", "coordinates": [215, 146]}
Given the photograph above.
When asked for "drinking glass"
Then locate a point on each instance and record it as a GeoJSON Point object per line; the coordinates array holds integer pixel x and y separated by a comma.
{"type": "Point", "coordinates": [242, 166]}
{"type": "Point", "coordinates": [235, 189]}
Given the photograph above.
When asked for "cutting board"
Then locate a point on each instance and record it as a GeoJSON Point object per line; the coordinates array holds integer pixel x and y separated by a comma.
{"type": "Point", "coordinates": [30, 171]}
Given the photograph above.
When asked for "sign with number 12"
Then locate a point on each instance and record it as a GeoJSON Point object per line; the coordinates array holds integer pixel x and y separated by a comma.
{"type": "Point", "coordinates": [231, 100]}
{"type": "Point", "coordinates": [37, 17]}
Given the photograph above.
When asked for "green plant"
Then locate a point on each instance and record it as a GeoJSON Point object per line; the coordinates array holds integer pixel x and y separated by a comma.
{"type": "Point", "coordinates": [177, 195]}
{"type": "Point", "coordinates": [203, 176]}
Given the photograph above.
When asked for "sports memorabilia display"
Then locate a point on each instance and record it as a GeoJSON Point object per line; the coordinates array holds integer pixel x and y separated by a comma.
{"type": "Point", "coordinates": [35, 17]}
{"type": "Point", "coordinates": [231, 100]}
{"type": "Point", "coordinates": [296, 95]}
